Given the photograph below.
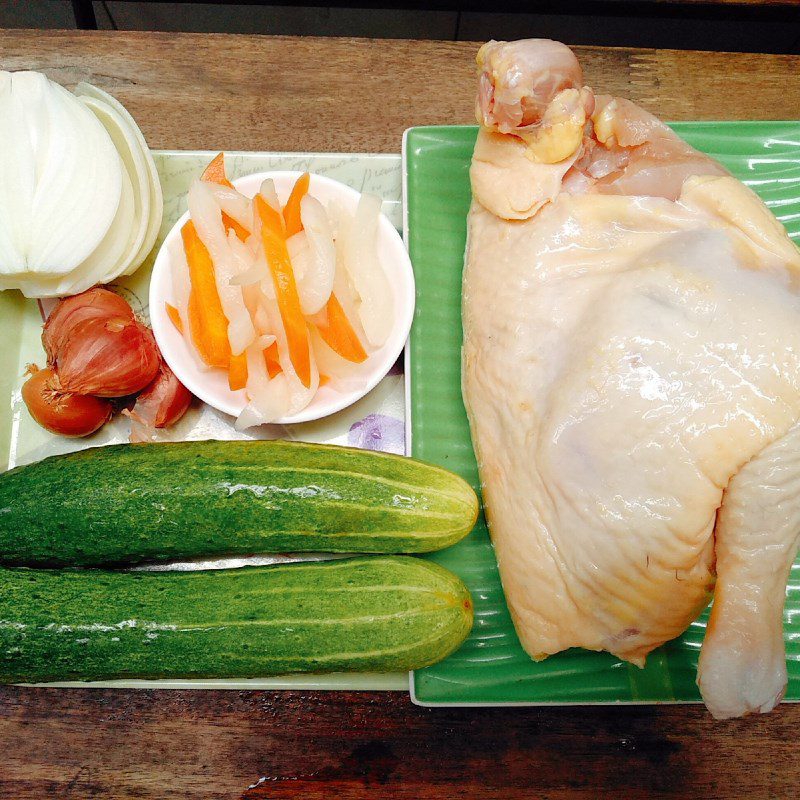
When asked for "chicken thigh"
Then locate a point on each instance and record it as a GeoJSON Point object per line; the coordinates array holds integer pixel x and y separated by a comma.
{"type": "Point", "coordinates": [631, 373]}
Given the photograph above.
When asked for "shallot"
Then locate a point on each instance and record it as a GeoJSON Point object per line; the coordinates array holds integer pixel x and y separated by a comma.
{"type": "Point", "coordinates": [95, 303]}
{"type": "Point", "coordinates": [160, 405]}
{"type": "Point", "coordinates": [61, 412]}
{"type": "Point", "coordinates": [108, 357]}
{"type": "Point", "coordinates": [97, 349]}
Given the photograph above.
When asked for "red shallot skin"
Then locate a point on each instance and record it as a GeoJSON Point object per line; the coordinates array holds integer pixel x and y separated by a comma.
{"type": "Point", "coordinates": [110, 356]}
{"type": "Point", "coordinates": [60, 412]}
{"type": "Point", "coordinates": [164, 401]}
{"type": "Point", "coordinates": [91, 304]}
{"type": "Point", "coordinates": [97, 349]}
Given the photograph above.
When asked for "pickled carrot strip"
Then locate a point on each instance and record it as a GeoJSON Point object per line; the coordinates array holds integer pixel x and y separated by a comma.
{"type": "Point", "coordinates": [174, 317]}
{"type": "Point", "coordinates": [232, 225]}
{"type": "Point", "coordinates": [337, 333]}
{"type": "Point", "coordinates": [207, 322]}
{"type": "Point", "coordinates": [197, 330]}
{"type": "Point", "coordinates": [273, 238]}
{"type": "Point", "coordinates": [270, 217]}
{"type": "Point", "coordinates": [215, 171]}
{"type": "Point", "coordinates": [237, 372]}
{"type": "Point", "coordinates": [272, 360]}
{"type": "Point", "coordinates": [291, 213]}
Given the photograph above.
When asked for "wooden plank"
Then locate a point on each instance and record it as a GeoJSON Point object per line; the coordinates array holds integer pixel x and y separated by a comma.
{"type": "Point", "coordinates": [220, 91]}
{"type": "Point", "coordinates": [318, 746]}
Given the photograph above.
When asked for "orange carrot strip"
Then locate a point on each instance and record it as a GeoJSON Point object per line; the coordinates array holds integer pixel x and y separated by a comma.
{"type": "Point", "coordinates": [197, 329]}
{"type": "Point", "coordinates": [210, 327]}
{"type": "Point", "coordinates": [323, 379]}
{"type": "Point", "coordinates": [175, 317]}
{"type": "Point", "coordinates": [232, 225]}
{"type": "Point", "coordinates": [237, 372]}
{"type": "Point", "coordinates": [280, 266]}
{"type": "Point", "coordinates": [215, 171]}
{"type": "Point", "coordinates": [272, 360]}
{"type": "Point", "coordinates": [337, 333]}
{"type": "Point", "coordinates": [270, 218]}
{"type": "Point", "coordinates": [291, 213]}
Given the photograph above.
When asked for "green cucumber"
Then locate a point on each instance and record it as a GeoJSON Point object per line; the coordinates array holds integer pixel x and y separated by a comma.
{"type": "Point", "coordinates": [126, 503]}
{"type": "Point", "coordinates": [380, 614]}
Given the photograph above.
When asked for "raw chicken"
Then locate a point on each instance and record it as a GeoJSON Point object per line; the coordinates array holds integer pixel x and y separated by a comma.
{"type": "Point", "coordinates": [631, 371]}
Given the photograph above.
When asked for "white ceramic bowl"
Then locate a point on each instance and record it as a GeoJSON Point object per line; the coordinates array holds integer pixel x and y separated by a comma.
{"type": "Point", "coordinates": [211, 386]}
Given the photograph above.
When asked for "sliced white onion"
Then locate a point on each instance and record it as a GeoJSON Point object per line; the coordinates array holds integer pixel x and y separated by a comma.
{"type": "Point", "coordinates": [254, 274]}
{"type": "Point", "coordinates": [362, 262]}
{"type": "Point", "coordinates": [136, 170]}
{"type": "Point", "coordinates": [77, 194]}
{"type": "Point", "coordinates": [268, 398]}
{"type": "Point", "coordinates": [266, 340]}
{"type": "Point", "coordinates": [17, 171]}
{"type": "Point", "coordinates": [15, 191]}
{"type": "Point", "coordinates": [93, 270]}
{"type": "Point", "coordinates": [156, 195]}
{"type": "Point", "coordinates": [270, 194]}
{"type": "Point", "coordinates": [299, 254]}
{"type": "Point", "coordinates": [347, 295]}
{"type": "Point", "coordinates": [60, 188]}
{"type": "Point", "coordinates": [250, 269]}
{"type": "Point", "coordinates": [113, 249]}
{"type": "Point", "coordinates": [207, 218]}
{"type": "Point", "coordinates": [243, 256]}
{"type": "Point", "coordinates": [80, 199]}
{"type": "Point", "coordinates": [234, 204]}
{"type": "Point", "coordinates": [316, 282]}
{"type": "Point", "coordinates": [56, 143]}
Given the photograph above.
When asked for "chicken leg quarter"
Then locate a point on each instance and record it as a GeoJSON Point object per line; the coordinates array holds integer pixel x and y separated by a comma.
{"type": "Point", "coordinates": [631, 372]}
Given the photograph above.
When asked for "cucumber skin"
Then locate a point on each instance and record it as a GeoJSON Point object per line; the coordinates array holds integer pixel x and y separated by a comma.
{"type": "Point", "coordinates": [124, 504]}
{"type": "Point", "coordinates": [374, 613]}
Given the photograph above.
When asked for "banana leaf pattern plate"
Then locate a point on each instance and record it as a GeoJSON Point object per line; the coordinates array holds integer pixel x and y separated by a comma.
{"type": "Point", "coordinates": [491, 667]}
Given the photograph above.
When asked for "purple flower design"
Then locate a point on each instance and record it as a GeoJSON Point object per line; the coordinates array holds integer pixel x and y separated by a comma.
{"type": "Point", "coordinates": [378, 432]}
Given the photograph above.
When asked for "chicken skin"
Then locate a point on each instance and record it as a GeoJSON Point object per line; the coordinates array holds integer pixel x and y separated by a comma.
{"type": "Point", "coordinates": [631, 373]}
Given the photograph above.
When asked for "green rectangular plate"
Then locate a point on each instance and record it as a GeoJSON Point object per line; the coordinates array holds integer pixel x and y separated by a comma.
{"type": "Point", "coordinates": [491, 667]}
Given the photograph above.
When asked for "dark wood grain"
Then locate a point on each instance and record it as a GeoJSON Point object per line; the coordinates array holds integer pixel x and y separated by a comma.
{"type": "Point", "coordinates": [323, 746]}
{"type": "Point", "coordinates": [192, 91]}
{"type": "Point", "coordinates": [242, 92]}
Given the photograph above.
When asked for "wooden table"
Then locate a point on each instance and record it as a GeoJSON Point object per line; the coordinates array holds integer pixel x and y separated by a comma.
{"type": "Point", "coordinates": [251, 93]}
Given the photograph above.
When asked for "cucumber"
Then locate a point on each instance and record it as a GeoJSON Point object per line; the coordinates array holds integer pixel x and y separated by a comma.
{"type": "Point", "coordinates": [127, 503]}
{"type": "Point", "coordinates": [382, 613]}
